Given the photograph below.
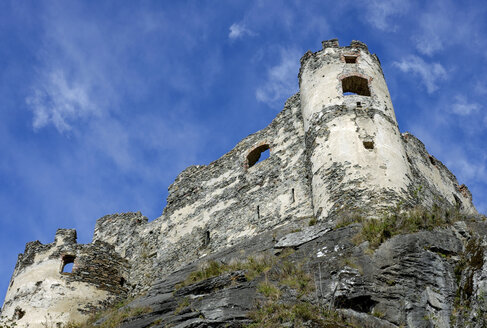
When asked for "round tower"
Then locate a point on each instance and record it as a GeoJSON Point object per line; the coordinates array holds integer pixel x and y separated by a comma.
{"type": "Point", "coordinates": [356, 155]}
{"type": "Point", "coordinates": [63, 281]}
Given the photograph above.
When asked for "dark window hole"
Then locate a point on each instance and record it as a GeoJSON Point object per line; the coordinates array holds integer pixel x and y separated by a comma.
{"type": "Point", "coordinates": [359, 104]}
{"type": "Point", "coordinates": [355, 85]}
{"type": "Point", "coordinates": [350, 59]}
{"type": "Point", "coordinates": [258, 212]}
{"type": "Point", "coordinates": [292, 196]}
{"type": "Point", "coordinates": [368, 144]}
{"type": "Point", "coordinates": [122, 281]}
{"type": "Point", "coordinates": [19, 313]}
{"type": "Point", "coordinates": [432, 160]}
{"type": "Point", "coordinates": [258, 155]}
{"type": "Point", "coordinates": [458, 202]}
{"type": "Point", "coordinates": [206, 241]}
{"type": "Point", "coordinates": [68, 263]}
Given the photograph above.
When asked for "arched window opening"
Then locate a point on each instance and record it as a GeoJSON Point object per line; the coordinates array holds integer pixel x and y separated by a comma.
{"type": "Point", "coordinates": [258, 155]}
{"type": "Point", "coordinates": [355, 85]}
{"type": "Point", "coordinates": [68, 263]}
{"type": "Point", "coordinates": [122, 281]}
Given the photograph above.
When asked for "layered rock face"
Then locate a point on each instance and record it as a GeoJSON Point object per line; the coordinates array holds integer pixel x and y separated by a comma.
{"type": "Point", "coordinates": [334, 149]}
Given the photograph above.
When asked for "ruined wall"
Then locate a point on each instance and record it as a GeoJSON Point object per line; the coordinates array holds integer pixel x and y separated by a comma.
{"type": "Point", "coordinates": [433, 182]}
{"type": "Point", "coordinates": [214, 206]}
{"type": "Point", "coordinates": [41, 294]}
{"type": "Point", "coordinates": [136, 240]}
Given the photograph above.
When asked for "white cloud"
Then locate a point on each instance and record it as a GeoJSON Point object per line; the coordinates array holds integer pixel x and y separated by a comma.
{"type": "Point", "coordinates": [463, 107]}
{"type": "Point", "coordinates": [428, 43]}
{"type": "Point", "coordinates": [434, 28]}
{"type": "Point", "coordinates": [379, 12]}
{"type": "Point", "coordinates": [239, 31]}
{"type": "Point", "coordinates": [430, 73]}
{"type": "Point", "coordinates": [55, 100]}
{"type": "Point", "coordinates": [281, 79]}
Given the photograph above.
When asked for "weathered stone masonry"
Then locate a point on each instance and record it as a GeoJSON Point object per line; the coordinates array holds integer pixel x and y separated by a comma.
{"type": "Point", "coordinates": [335, 146]}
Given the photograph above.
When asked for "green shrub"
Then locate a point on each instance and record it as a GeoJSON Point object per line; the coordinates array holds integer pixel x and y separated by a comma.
{"type": "Point", "coordinates": [301, 314]}
{"type": "Point", "coordinates": [253, 266]}
{"type": "Point", "coordinates": [293, 275]}
{"type": "Point", "coordinates": [269, 290]}
{"type": "Point", "coordinates": [376, 231]}
{"type": "Point", "coordinates": [184, 303]}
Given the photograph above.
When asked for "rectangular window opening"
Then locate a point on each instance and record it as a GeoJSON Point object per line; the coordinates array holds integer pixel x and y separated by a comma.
{"type": "Point", "coordinates": [67, 263]}
{"type": "Point", "coordinates": [369, 145]}
{"type": "Point", "coordinates": [351, 59]}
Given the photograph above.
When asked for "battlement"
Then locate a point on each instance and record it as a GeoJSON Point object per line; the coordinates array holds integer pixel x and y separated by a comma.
{"type": "Point", "coordinates": [333, 43]}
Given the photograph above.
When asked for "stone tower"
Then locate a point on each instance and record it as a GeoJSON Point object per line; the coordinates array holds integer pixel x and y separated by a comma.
{"type": "Point", "coordinates": [355, 150]}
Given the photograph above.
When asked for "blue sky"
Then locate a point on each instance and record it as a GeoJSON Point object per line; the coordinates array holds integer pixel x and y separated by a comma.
{"type": "Point", "coordinates": [102, 104]}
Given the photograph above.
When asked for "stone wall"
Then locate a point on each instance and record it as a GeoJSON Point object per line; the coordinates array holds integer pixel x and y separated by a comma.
{"type": "Point", "coordinates": [433, 183]}
{"type": "Point", "coordinates": [136, 240]}
{"type": "Point", "coordinates": [213, 206]}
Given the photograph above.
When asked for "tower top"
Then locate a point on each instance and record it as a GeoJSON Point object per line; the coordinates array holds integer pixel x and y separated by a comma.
{"type": "Point", "coordinates": [333, 43]}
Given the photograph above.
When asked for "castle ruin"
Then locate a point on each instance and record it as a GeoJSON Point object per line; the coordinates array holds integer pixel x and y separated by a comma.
{"type": "Point", "coordinates": [335, 147]}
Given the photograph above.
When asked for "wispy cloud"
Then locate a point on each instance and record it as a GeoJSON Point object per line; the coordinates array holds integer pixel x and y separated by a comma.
{"type": "Point", "coordinates": [434, 27]}
{"type": "Point", "coordinates": [54, 100]}
{"type": "Point", "coordinates": [73, 81]}
{"type": "Point", "coordinates": [429, 73]}
{"type": "Point", "coordinates": [281, 79]}
{"type": "Point", "coordinates": [380, 13]}
{"type": "Point", "coordinates": [238, 30]}
{"type": "Point", "coordinates": [463, 107]}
